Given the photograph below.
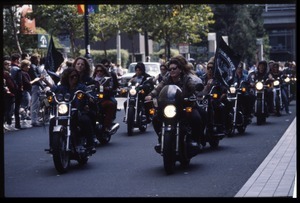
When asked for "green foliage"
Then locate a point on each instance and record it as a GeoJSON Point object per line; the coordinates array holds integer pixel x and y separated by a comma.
{"type": "Point", "coordinates": [243, 24]}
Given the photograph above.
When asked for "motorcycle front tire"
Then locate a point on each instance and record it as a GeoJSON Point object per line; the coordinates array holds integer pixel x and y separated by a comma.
{"type": "Point", "coordinates": [61, 157]}
{"type": "Point", "coordinates": [130, 121]}
{"type": "Point", "coordinates": [169, 156]}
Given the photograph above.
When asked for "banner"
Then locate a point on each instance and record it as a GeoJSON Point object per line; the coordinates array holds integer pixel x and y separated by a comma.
{"type": "Point", "coordinates": [91, 9]}
{"type": "Point", "coordinates": [225, 62]}
{"type": "Point", "coordinates": [53, 60]}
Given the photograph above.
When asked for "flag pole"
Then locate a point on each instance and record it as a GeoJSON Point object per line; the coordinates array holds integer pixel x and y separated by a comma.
{"type": "Point", "coordinates": [86, 32]}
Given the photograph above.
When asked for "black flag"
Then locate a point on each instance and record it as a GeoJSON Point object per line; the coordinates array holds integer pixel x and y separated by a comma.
{"type": "Point", "coordinates": [53, 60]}
{"type": "Point", "coordinates": [225, 62]}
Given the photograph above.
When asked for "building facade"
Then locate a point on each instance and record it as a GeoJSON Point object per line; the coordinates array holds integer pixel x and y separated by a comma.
{"type": "Point", "coordinates": [280, 24]}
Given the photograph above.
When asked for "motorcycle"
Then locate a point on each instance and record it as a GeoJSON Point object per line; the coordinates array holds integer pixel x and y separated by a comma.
{"type": "Point", "coordinates": [66, 139]}
{"type": "Point", "coordinates": [260, 106]}
{"type": "Point", "coordinates": [171, 109]}
{"type": "Point", "coordinates": [98, 93]}
{"type": "Point", "coordinates": [135, 116]}
{"type": "Point", "coordinates": [277, 95]}
{"type": "Point", "coordinates": [289, 83]}
{"type": "Point", "coordinates": [206, 103]}
{"type": "Point", "coordinates": [44, 108]}
{"type": "Point", "coordinates": [240, 122]}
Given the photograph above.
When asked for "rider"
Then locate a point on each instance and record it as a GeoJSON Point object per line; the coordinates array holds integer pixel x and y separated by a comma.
{"type": "Point", "coordinates": [107, 103]}
{"type": "Point", "coordinates": [247, 99]}
{"type": "Point", "coordinates": [139, 77]}
{"type": "Point", "coordinates": [70, 84]}
{"type": "Point", "coordinates": [82, 65]}
{"type": "Point", "coordinates": [261, 75]}
{"type": "Point", "coordinates": [115, 87]}
{"type": "Point", "coordinates": [163, 73]}
{"type": "Point", "coordinates": [221, 106]}
{"type": "Point", "coordinates": [183, 77]}
{"type": "Point", "coordinates": [274, 73]}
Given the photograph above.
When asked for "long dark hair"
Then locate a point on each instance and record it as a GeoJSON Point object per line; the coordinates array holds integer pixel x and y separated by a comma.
{"type": "Point", "coordinates": [65, 76]}
{"type": "Point", "coordinates": [87, 71]}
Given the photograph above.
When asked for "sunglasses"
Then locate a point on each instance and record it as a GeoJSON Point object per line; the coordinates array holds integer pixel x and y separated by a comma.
{"type": "Point", "coordinates": [99, 70]}
{"type": "Point", "coordinates": [174, 68]}
{"type": "Point", "coordinates": [209, 67]}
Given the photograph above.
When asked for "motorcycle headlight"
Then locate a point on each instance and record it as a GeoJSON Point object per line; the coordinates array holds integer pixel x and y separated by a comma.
{"type": "Point", "coordinates": [259, 85]}
{"type": "Point", "coordinates": [62, 108]}
{"type": "Point", "coordinates": [132, 91]}
{"type": "Point", "coordinates": [276, 83]}
{"type": "Point", "coordinates": [170, 111]}
{"type": "Point", "coordinates": [232, 90]}
{"type": "Point", "coordinates": [287, 79]}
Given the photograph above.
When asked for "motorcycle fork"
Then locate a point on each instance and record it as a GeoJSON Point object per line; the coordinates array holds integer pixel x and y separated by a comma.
{"type": "Point", "coordinates": [127, 107]}
{"type": "Point", "coordinates": [262, 98]}
{"type": "Point", "coordinates": [68, 127]}
{"type": "Point", "coordinates": [136, 108]}
{"type": "Point", "coordinates": [277, 95]}
{"type": "Point", "coordinates": [169, 128]}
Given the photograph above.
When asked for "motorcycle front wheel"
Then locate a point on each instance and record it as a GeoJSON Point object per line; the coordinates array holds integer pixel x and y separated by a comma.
{"type": "Point", "coordinates": [169, 156]}
{"type": "Point", "coordinates": [104, 138]}
{"type": "Point", "coordinates": [242, 127]}
{"type": "Point", "coordinates": [61, 157]}
{"type": "Point", "coordinates": [130, 121]}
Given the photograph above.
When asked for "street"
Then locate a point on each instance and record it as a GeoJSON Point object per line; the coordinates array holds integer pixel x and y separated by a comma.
{"type": "Point", "coordinates": [129, 166]}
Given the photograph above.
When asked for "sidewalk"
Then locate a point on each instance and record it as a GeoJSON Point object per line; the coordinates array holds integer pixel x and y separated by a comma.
{"type": "Point", "coordinates": [276, 175]}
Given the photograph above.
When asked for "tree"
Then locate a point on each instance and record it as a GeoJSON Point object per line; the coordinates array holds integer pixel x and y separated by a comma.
{"type": "Point", "coordinates": [11, 28]}
{"type": "Point", "coordinates": [243, 24]}
{"type": "Point", "coordinates": [60, 19]}
{"type": "Point", "coordinates": [169, 23]}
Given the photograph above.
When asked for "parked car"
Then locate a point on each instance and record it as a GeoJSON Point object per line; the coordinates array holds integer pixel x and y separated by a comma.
{"type": "Point", "coordinates": [152, 68]}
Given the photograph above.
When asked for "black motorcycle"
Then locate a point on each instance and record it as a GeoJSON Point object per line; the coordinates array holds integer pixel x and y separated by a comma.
{"type": "Point", "coordinates": [135, 115]}
{"type": "Point", "coordinates": [207, 104]}
{"type": "Point", "coordinates": [277, 95]}
{"type": "Point", "coordinates": [240, 121]}
{"type": "Point", "coordinates": [67, 142]}
{"type": "Point", "coordinates": [44, 111]}
{"type": "Point", "coordinates": [171, 109]}
{"type": "Point", "coordinates": [260, 107]}
{"type": "Point", "coordinates": [98, 93]}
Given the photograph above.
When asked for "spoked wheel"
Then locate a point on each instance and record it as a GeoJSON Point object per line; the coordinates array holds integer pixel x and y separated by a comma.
{"type": "Point", "coordinates": [241, 129]}
{"type": "Point", "coordinates": [214, 142]}
{"type": "Point", "coordinates": [83, 159]}
{"type": "Point", "coordinates": [44, 114]}
{"type": "Point", "coordinates": [143, 124]}
{"type": "Point", "coordinates": [130, 121]}
{"type": "Point", "coordinates": [169, 153]}
{"type": "Point", "coordinates": [61, 157]}
{"type": "Point", "coordinates": [104, 138]}
{"type": "Point", "coordinates": [184, 155]}
{"type": "Point", "coordinates": [229, 126]}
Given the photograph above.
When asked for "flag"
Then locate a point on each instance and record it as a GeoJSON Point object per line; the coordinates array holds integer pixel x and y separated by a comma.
{"type": "Point", "coordinates": [91, 8]}
{"type": "Point", "coordinates": [80, 8]}
{"type": "Point", "coordinates": [225, 62]}
{"type": "Point", "coordinates": [53, 60]}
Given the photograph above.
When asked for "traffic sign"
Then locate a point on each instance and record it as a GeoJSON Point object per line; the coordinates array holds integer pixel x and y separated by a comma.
{"type": "Point", "coordinates": [42, 41]}
{"type": "Point", "coordinates": [183, 48]}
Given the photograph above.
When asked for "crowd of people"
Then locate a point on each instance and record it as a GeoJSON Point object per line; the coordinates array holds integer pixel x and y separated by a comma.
{"type": "Point", "coordinates": [24, 78]}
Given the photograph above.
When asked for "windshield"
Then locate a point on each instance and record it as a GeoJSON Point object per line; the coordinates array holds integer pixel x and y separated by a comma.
{"type": "Point", "coordinates": [149, 68]}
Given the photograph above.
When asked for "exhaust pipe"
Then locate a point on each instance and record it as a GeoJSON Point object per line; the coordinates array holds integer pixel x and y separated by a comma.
{"type": "Point", "coordinates": [115, 127]}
